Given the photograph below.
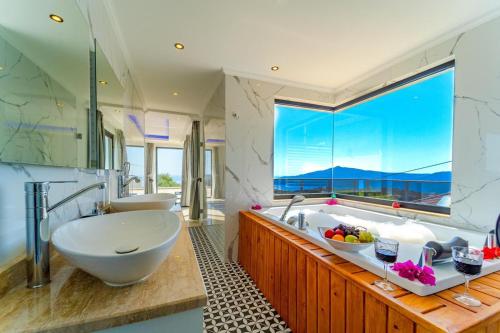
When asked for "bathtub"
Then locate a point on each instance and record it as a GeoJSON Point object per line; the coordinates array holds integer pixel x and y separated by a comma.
{"type": "Point", "coordinates": [412, 235]}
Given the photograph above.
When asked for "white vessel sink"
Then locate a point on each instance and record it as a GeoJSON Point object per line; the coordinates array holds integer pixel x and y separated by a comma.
{"type": "Point", "coordinates": [120, 249]}
{"type": "Point", "coordinates": [144, 202]}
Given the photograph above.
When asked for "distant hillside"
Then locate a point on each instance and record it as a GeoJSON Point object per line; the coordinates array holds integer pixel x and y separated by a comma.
{"type": "Point", "coordinates": [343, 172]}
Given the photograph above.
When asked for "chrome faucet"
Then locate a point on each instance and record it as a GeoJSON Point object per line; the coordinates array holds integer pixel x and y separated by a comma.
{"type": "Point", "coordinates": [123, 182]}
{"type": "Point", "coordinates": [295, 199]}
{"type": "Point", "coordinates": [38, 231]}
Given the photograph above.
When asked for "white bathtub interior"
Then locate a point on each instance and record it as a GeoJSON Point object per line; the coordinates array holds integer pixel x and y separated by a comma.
{"type": "Point", "coordinates": [411, 234]}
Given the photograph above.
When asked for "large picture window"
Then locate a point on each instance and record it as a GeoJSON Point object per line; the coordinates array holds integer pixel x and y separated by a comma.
{"type": "Point", "coordinates": [392, 144]}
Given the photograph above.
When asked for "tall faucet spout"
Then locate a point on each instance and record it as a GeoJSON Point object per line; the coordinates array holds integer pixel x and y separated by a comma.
{"type": "Point", "coordinates": [128, 181]}
{"type": "Point", "coordinates": [295, 199]}
{"type": "Point", "coordinates": [100, 186]}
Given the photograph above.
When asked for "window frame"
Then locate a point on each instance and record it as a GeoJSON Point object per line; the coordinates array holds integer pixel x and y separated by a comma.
{"type": "Point", "coordinates": [111, 137]}
{"type": "Point", "coordinates": [359, 99]}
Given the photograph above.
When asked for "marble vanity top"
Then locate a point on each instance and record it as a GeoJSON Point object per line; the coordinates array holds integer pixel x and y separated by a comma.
{"type": "Point", "coordinates": [76, 302]}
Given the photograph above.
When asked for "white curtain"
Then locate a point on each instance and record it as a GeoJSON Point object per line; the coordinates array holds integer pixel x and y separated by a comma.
{"type": "Point", "coordinates": [150, 155]}
{"type": "Point", "coordinates": [122, 149]}
{"type": "Point", "coordinates": [186, 173]}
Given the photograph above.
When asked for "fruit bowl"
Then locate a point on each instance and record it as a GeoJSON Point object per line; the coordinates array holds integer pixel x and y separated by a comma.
{"type": "Point", "coordinates": [341, 245]}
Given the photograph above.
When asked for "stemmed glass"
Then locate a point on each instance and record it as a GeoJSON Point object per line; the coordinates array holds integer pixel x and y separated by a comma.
{"type": "Point", "coordinates": [467, 261]}
{"type": "Point", "coordinates": [386, 250]}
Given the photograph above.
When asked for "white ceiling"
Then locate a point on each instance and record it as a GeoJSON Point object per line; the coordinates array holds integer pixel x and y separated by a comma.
{"type": "Point", "coordinates": [321, 43]}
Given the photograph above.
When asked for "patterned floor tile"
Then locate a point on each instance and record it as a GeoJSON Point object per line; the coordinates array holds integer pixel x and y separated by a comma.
{"type": "Point", "coordinates": [235, 304]}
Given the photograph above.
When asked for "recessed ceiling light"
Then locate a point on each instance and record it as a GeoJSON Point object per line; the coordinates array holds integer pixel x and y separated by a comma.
{"type": "Point", "coordinates": [179, 46]}
{"type": "Point", "coordinates": [175, 93]}
{"type": "Point", "coordinates": [56, 18]}
{"type": "Point", "coordinates": [274, 68]}
{"type": "Point", "coordinates": [59, 104]}
{"type": "Point", "coordinates": [1, 68]}
{"type": "Point", "coordinates": [103, 82]}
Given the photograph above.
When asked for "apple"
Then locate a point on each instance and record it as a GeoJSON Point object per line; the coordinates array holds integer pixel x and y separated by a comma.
{"type": "Point", "coordinates": [329, 233]}
{"type": "Point", "coordinates": [339, 232]}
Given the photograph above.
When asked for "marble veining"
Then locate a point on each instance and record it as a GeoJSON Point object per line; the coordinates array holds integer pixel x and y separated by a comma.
{"type": "Point", "coordinates": [77, 302]}
{"type": "Point", "coordinates": [249, 106]}
{"type": "Point", "coordinates": [476, 137]}
{"type": "Point", "coordinates": [12, 218]}
{"type": "Point", "coordinates": [40, 120]}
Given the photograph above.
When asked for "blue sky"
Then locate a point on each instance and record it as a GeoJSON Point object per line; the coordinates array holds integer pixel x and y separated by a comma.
{"type": "Point", "coordinates": [170, 161]}
{"type": "Point", "coordinates": [405, 129]}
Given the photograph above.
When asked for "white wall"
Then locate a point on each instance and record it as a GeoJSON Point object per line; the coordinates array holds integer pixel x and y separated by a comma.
{"type": "Point", "coordinates": [249, 146]}
{"type": "Point", "coordinates": [13, 176]}
{"type": "Point", "coordinates": [476, 142]}
{"type": "Point", "coordinates": [476, 134]}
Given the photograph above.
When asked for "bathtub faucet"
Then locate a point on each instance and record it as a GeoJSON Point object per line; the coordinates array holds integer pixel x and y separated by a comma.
{"type": "Point", "coordinates": [295, 199]}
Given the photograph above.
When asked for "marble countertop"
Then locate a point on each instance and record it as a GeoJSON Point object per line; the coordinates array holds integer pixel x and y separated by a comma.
{"type": "Point", "coordinates": [77, 302]}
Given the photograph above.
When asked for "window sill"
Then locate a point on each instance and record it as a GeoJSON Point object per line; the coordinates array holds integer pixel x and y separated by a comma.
{"type": "Point", "coordinates": [401, 212]}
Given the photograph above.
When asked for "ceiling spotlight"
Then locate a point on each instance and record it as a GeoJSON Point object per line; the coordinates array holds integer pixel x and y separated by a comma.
{"type": "Point", "coordinates": [103, 82]}
{"type": "Point", "coordinates": [56, 18]}
{"type": "Point", "coordinates": [1, 68]}
{"type": "Point", "coordinates": [175, 93]}
{"type": "Point", "coordinates": [179, 46]}
{"type": "Point", "coordinates": [274, 68]}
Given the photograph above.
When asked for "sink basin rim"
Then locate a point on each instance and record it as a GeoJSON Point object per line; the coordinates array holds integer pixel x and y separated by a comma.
{"type": "Point", "coordinates": [116, 255]}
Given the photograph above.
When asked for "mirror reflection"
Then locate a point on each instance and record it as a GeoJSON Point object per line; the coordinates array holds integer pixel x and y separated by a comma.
{"type": "Point", "coordinates": [119, 122]}
{"type": "Point", "coordinates": [44, 84]}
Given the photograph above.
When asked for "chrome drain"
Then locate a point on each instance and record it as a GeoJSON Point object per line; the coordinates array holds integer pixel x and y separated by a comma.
{"type": "Point", "coordinates": [126, 249]}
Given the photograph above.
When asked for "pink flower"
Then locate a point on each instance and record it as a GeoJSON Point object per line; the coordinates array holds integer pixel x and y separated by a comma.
{"type": "Point", "coordinates": [331, 202]}
{"type": "Point", "coordinates": [256, 207]}
{"type": "Point", "coordinates": [410, 271]}
{"type": "Point", "coordinates": [427, 276]}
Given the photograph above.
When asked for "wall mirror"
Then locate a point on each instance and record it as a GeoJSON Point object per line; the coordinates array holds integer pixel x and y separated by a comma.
{"type": "Point", "coordinates": [44, 83]}
{"type": "Point", "coordinates": [120, 118]}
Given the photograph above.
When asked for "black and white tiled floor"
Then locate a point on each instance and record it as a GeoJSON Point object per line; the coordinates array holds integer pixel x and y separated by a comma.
{"type": "Point", "coordinates": [234, 302]}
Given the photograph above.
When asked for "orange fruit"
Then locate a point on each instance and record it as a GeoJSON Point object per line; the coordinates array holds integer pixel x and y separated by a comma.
{"type": "Point", "coordinates": [338, 237]}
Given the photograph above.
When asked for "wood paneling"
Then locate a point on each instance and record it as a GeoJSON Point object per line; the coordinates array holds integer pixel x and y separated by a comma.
{"type": "Point", "coordinates": [285, 276]}
{"type": "Point", "coordinates": [397, 323]}
{"type": "Point", "coordinates": [316, 291]}
{"type": "Point", "coordinates": [292, 288]}
{"type": "Point", "coordinates": [312, 295]}
{"type": "Point", "coordinates": [301, 292]}
{"type": "Point", "coordinates": [323, 299]}
{"type": "Point", "coordinates": [355, 309]}
{"type": "Point", "coordinates": [337, 302]}
{"type": "Point", "coordinates": [375, 315]}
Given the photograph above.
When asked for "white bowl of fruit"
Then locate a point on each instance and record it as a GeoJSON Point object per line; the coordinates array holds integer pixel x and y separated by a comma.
{"type": "Point", "coordinates": [347, 238]}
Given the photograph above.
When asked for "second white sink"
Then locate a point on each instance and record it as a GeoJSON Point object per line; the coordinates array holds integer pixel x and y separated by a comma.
{"type": "Point", "coordinates": [120, 249]}
{"type": "Point", "coordinates": [144, 202]}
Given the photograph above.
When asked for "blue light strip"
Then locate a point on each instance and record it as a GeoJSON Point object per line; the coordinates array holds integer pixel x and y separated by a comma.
{"type": "Point", "coordinates": [14, 125]}
{"type": "Point", "coordinates": [157, 136]}
{"type": "Point", "coordinates": [133, 119]}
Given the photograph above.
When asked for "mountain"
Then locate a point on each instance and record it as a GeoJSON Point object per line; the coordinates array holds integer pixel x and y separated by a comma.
{"type": "Point", "coordinates": [344, 172]}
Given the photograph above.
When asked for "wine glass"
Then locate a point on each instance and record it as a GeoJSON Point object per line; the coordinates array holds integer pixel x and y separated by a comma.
{"type": "Point", "coordinates": [468, 261]}
{"type": "Point", "coordinates": [386, 250]}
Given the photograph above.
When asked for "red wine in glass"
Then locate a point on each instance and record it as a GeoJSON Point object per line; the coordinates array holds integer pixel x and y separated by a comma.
{"type": "Point", "coordinates": [467, 266]}
{"type": "Point", "coordinates": [468, 261]}
{"type": "Point", "coordinates": [386, 250]}
{"type": "Point", "coordinates": [386, 255]}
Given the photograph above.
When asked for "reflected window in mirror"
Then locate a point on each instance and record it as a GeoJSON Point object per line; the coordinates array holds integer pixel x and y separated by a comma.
{"type": "Point", "coordinates": [135, 155]}
{"type": "Point", "coordinates": [208, 172]}
{"type": "Point", "coordinates": [109, 150]}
